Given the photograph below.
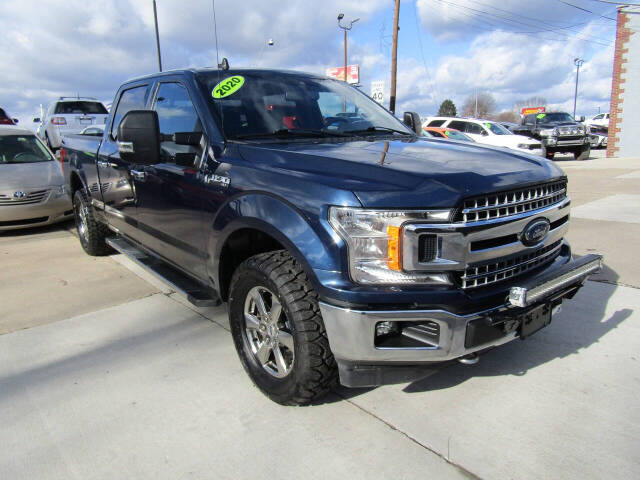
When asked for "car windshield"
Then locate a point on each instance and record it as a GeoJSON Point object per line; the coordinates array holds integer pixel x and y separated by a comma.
{"type": "Point", "coordinates": [22, 149]}
{"type": "Point", "coordinates": [454, 135]}
{"type": "Point", "coordinates": [497, 129]}
{"type": "Point", "coordinates": [80, 107]}
{"type": "Point", "coordinates": [267, 105]}
{"type": "Point", "coordinates": [554, 117]}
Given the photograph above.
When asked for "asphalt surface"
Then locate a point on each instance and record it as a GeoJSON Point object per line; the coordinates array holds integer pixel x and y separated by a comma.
{"type": "Point", "coordinates": [139, 384]}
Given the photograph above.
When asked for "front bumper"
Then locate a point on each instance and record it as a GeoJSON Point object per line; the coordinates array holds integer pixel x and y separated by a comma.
{"type": "Point", "coordinates": [362, 362]}
{"type": "Point", "coordinates": [51, 210]}
{"type": "Point", "coordinates": [557, 143]}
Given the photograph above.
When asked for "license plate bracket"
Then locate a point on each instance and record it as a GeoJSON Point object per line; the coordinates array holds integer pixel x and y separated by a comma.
{"type": "Point", "coordinates": [534, 320]}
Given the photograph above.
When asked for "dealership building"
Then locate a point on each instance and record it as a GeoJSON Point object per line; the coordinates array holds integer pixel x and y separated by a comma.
{"type": "Point", "coordinates": [624, 122]}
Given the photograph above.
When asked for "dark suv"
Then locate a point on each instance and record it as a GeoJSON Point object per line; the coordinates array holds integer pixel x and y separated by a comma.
{"type": "Point", "coordinates": [559, 132]}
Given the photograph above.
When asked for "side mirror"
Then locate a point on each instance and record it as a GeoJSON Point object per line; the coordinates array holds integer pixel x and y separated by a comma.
{"type": "Point", "coordinates": [36, 120]}
{"type": "Point", "coordinates": [412, 120]}
{"type": "Point", "coordinates": [15, 120]}
{"type": "Point", "coordinates": [139, 137]}
{"type": "Point", "coordinates": [581, 119]}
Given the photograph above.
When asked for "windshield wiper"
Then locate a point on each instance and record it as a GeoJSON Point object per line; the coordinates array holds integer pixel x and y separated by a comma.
{"type": "Point", "coordinates": [285, 132]}
{"type": "Point", "coordinates": [375, 129]}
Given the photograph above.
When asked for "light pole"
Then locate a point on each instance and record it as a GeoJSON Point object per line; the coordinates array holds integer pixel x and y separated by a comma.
{"type": "Point", "coordinates": [345, 28]}
{"type": "Point", "coordinates": [578, 63]}
{"type": "Point", "coordinates": [155, 18]}
{"type": "Point", "coordinates": [394, 58]}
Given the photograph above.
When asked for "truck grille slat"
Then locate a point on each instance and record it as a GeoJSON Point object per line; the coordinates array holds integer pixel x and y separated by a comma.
{"type": "Point", "coordinates": [503, 268]}
{"type": "Point", "coordinates": [506, 204]}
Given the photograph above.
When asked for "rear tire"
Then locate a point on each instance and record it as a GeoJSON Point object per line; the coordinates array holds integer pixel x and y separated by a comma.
{"type": "Point", "coordinates": [92, 234]}
{"type": "Point", "coordinates": [48, 142]}
{"type": "Point", "coordinates": [278, 330]}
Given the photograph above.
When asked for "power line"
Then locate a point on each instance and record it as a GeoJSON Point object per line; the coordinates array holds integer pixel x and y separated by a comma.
{"type": "Point", "coordinates": [482, 14]}
{"type": "Point", "coordinates": [586, 10]}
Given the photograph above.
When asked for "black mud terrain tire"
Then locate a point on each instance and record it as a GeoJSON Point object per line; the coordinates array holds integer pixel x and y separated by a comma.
{"type": "Point", "coordinates": [582, 153]}
{"type": "Point", "coordinates": [92, 234]}
{"type": "Point", "coordinates": [309, 371]}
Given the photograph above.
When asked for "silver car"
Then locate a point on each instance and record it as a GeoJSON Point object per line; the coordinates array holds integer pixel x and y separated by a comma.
{"type": "Point", "coordinates": [32, 191]}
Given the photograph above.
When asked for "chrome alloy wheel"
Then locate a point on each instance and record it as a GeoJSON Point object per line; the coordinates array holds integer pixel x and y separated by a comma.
{"type": "Point", "coordinates": [83, 229]}
{"type": "Point", "coordinates": [268, 332]}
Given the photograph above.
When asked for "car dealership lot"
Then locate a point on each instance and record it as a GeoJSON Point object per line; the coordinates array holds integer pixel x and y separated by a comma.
{"type": "Point", "coordinates": [139, 384]}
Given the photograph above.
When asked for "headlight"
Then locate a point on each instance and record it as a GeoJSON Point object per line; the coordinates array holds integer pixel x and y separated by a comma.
{"type": "Point", "coordinates": [549, 132]}
{"type": "Point", "coordinates": [524, 146]}
{"type": "Point", "coordinates": [374, 239]}
{"type": "Point", "coordinates": [59, 191]}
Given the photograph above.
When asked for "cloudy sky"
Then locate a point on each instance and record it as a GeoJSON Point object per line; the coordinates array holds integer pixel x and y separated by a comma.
{"type": "Point", "coordinates": [514, 49]}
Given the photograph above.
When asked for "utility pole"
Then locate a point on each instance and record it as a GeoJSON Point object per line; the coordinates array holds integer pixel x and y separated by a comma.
{"type": "Point", "coordinates": [394, 58]}
{"type": "Point", "coordinates": [155, 18]}
{"type": "Point", "coordinates": [476, 115]}
{"type": "Point", "coordinates": [578, 63]}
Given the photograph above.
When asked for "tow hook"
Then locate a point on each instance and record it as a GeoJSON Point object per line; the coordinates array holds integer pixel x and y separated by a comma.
{"type": "Point", "coordinates": [470, 359]}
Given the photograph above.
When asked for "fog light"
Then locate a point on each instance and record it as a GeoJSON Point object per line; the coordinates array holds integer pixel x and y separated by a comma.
{"type": "Point", "coordinates": [385, 328]}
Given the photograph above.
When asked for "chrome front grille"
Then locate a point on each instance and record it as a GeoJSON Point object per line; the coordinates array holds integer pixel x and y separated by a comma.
{"type": "Point", "coordinates": [571, 130]}
{"type": "Point", "coordinates": [500, 269]}
{"type": "Point", "coordinates": [513, 202]}
{"type": "Point", "coordinates": [35, 196]}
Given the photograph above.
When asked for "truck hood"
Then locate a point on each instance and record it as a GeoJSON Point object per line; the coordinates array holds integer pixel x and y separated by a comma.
{"type": "Point", "coordinates": [404, 173]}
{"type": "Point", "coordinates": [24, 176]}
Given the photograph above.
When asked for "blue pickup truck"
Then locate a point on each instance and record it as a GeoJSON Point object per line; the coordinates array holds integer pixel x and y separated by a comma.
{"type": "Point", "coordinates": [349, 248]}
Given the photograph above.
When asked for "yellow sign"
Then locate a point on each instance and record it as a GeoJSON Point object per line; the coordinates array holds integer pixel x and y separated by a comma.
{"type": "Point", "coordinates": [228, 86]}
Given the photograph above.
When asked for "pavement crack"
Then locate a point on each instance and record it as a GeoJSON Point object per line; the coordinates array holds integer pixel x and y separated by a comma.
{"type": "Point", "coordinates": [446, 458]}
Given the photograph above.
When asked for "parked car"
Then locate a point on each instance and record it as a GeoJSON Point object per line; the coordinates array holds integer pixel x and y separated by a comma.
{"type": "Point", "coordinates": [559, 132]}
{"type": "Point", "coordinates": [32, 190]}
{"type": "Point", "coordinates": [95, 131]}
{"type": "Point", "coordinates": [346, 246]}
{"type": "Point", "coordinates": [5, 119]}
{"type": "Point", "coordinates": [509, 125]}
{"type": "Point", "coordinates": [487, 132]}
{"type": "Point", "coordinates": [600, 120]}
{"type": "Point", "coordinates": [451, 133]}
{"type": "Point", "coordinates": [69, 115]}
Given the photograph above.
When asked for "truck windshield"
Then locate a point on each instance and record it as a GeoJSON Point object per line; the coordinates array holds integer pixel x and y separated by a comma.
{"type": "Point", "coordinates": [554, 117]}
{"type": "Point", "coordinates": [80, 107]}
{"type": "Point", "coordinates": [267, 105]}
{"type": "Point", "coordinates": [22, 149]}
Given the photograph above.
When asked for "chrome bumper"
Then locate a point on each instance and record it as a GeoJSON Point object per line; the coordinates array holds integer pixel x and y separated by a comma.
{"type": "Point", "coordinates": [352, 333]}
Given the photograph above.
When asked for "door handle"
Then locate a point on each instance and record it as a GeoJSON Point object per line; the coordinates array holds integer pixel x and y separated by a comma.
{"type": "Point", "coordinates": [138, 175]}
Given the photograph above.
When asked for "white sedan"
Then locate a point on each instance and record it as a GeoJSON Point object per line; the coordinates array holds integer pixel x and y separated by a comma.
{"type": "Point", "coordinates": [487, 132]}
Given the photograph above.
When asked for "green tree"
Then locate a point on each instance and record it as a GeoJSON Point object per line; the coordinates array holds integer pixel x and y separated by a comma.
{"type": "Point", "coordinates": [447, 109]}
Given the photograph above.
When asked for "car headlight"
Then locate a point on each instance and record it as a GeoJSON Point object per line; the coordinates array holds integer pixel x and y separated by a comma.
{"type": "Point", "coordinates": [549, 132]}
{"type": "Point", "coordinates": [374, 241]}
{"type": "Point", "coordinates": [59, 191]}
{"type": "Point", "coordinates": [524, 146]}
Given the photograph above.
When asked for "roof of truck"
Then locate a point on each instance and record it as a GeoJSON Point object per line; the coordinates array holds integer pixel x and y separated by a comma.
{"type": "Point", "coordinates": [231, 71]}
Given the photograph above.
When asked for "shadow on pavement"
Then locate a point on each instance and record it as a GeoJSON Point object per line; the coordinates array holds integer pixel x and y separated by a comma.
{"type": "Point", "coordinates": [68, 225]}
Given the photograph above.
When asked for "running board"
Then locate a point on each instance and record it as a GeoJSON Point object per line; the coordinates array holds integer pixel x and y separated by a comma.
{"type": "Point", "coordinates": [191, 290]}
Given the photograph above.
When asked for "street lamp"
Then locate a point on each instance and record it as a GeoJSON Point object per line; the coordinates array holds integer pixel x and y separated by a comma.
{"type": "Point", "coordinates": [270, 43]}
{"type": "Point", "coordinates": [578, 63]}
{"type": "Point", "coordinates": [345, 28]}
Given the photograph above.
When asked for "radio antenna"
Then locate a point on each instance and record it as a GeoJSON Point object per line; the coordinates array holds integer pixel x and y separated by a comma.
{"type": "Point", "coordinates": [215, 33]}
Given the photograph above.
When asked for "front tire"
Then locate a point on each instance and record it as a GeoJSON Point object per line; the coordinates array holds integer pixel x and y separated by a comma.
{"type": "Point", "coordinates": [547, 154]}
{"type": "Point", "coordinates": [583, 153]}
{"type": "Point", "coordinates": [92, 234]}
{"type": "Point", "coordinates": [278, 330]}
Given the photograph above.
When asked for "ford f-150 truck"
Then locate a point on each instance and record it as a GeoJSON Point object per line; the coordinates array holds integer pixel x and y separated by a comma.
{"type": "Point", "coordinates": [347, 247]}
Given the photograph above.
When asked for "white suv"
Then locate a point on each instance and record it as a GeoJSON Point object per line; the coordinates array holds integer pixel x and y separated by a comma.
{"type": "Point", "coordinates": [69, 115]}
{"type": "Point", "coordinates": [487, 132]}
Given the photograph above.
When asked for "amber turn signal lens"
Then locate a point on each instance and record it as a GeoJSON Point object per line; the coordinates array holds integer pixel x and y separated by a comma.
{"type": "Point", "coordinates": [393, 248]}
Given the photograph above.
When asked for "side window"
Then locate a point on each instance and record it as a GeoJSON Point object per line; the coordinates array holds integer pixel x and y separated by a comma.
{"type": "Point", "coordinates": [475, 129]}
{"type": "Point", "coordinates": [599, 117]}
{"type": "Point", "coordinates": [176, 113]}
{"type": "Point", "coordinates": [458, 125]}
{"type": "Point", "coordinates": [435, 123]}
{"type": "Point", "coordinates": [131, 99]}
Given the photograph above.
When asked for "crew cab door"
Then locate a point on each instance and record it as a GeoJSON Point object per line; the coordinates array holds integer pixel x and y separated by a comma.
{"type": "Point", "coordinates": [170, 193]}
{"type": "Point", "coordinates": [116, 175]}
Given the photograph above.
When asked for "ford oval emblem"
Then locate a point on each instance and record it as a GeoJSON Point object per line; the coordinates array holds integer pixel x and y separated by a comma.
{"type": "Point", "coordinates": [535, 232]}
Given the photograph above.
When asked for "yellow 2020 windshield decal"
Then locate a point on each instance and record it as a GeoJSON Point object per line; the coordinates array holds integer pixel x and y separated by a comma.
{"type": "Point", "coordinates": [228, 86]}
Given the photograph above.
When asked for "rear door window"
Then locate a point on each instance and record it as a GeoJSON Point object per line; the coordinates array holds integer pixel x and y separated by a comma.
{"type": "Point", "coordinates": [436, 123]}
{"type": "Point", "coordinates": [131, 99]}
{"type": "Point", "coordinates": [458, 125]}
